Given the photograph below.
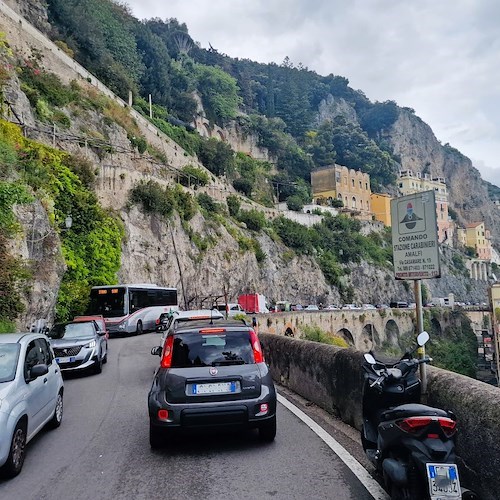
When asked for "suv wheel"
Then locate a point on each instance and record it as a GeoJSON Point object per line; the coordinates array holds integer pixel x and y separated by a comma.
{"type": "Point", "coordinates": [98, 365]}
{"type": "Point", "coordinates": [17, 453]}
{"type": "Point", "coordinates": [267, 430]}
{"type": "Point", "coordinates": [156, 437]}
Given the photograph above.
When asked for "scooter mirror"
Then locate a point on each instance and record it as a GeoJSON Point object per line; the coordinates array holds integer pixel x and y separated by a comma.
{"type": "Point", "coordinates": [422, 338]}
{"type": "Point", "coordinates": [370, 359]}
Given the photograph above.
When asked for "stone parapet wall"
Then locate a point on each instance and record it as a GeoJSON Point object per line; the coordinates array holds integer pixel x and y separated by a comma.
{"type": "Point", "coordinates": [332, 378]}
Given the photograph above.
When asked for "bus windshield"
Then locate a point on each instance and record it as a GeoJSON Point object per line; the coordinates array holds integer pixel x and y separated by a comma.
{"type": "Point", "coordinates": [110, 302]}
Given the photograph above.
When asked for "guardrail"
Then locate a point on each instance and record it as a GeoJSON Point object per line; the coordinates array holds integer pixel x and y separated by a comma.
{"type": "Point", "coordinates": [332, 378]}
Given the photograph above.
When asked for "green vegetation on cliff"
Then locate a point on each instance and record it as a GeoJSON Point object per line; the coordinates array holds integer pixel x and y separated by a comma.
{"type": "Point", "coordinates": [91, 247]}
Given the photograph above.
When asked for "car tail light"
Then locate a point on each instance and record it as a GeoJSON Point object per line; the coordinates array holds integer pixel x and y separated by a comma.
{"type": "Point", "coordinates": [163, 415]}
{"type": "Point", "coordinates": [448, 425]}
{"type": "Point", "coordinates": [157, 321]}
{"type": "Point", "coordinates": [414, 424]}
{"type": "Point", "coordinates": [212, 330]}
{"type": "Point", "coordinates": [256, 347]}
{"type": "Point", "coordinates": [166, 359]}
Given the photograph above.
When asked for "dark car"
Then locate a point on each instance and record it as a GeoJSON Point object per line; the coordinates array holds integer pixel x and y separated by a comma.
{"type": "Point", "coordinates": [79, 345]}
{"type": "Point", "coordinates": [211, 376]}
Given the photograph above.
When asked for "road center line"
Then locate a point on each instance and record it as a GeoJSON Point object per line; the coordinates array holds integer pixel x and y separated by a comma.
{"type": "Point", "coordinates": [375, 490]}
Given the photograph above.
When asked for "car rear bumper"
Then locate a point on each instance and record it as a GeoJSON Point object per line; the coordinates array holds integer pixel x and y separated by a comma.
{"type": "Point", "coordinates": [246, 413]}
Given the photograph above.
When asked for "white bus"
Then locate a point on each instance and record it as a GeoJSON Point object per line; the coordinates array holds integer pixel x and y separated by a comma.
{"type": "Point", "coordinates": [132, 308]}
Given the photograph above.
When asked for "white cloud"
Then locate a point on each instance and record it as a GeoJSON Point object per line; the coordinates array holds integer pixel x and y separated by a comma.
{"type": "Point", "coordinates": [440, 58]}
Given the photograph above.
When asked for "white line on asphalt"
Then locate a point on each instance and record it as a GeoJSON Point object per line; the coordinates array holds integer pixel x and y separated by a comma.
{"type": "Point", "coordinates": [375, 490]}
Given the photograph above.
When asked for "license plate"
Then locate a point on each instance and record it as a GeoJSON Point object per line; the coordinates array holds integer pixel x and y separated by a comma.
{"type": "Point", "coordinates": [443, 481]}
{"type": "Point", "coordinates": [65, 360]}
{"type": "Point", "coordinates": [214, 388]}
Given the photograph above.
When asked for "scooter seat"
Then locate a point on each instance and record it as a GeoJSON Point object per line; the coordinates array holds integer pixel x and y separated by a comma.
{"type": "Point", "coordinates": [412, 410]}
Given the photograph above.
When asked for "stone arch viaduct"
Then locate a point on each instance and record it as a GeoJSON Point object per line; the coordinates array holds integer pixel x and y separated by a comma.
{"type": "Point", "coordinates": [363, 329]}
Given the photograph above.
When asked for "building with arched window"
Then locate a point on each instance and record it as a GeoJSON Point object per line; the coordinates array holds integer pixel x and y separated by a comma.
{"type": "Point", "coordinates": [352, 187]}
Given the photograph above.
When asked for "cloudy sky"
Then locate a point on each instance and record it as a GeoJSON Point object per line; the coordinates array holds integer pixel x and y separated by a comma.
{"type": "Point", "coordinates": [441, 58]}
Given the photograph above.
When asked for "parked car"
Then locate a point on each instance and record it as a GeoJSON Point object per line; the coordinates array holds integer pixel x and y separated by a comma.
{"type": "Point", "coordinates": [368, 306]}
{"type": "Point", "coordinates": [79, 345]}
{"type": "Point", "coordinates": [331, 307]}
{"type": "Point", "coordinates": [311, 307]}
{"type": "Point", "coordinates": [382, 306]}
{"type": "Point", "coordinates": [352, 307]}
{"type": "Point", "coordinates": [211, 376]}
{"type": "Point", "coordinates": [31, 395]}
{"type": "Point", "coordinates": [170, 321]}
{"type": "Point", "coordinates": [400, 304]}
{"type": "Point", "coordinates": [232, 309]}
{"type": "Point", "coordinates": [98, 318]}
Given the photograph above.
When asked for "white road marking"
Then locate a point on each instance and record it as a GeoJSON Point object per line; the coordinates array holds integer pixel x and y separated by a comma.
{"type": "Point", "coordinates": [375, 490]}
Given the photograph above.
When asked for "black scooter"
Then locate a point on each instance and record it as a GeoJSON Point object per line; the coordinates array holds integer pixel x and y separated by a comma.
{"type": "Point", "coordinates": [410, 444]}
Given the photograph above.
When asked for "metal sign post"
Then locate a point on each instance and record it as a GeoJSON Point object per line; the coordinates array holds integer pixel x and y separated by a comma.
{"type": "Point", "coordinates": [415, 249]}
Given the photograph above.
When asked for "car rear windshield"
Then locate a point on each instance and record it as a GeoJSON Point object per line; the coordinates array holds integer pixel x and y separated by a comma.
{"type": "Point", "coordinates": [9, 354]}
{"type": "Point", "coordinates": [198, 349]}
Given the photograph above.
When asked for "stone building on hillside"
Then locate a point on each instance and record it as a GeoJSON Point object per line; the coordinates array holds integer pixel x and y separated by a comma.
{"type": "Point", "coordinates": [381, 208]}
{"type": "Point", "coordinates": [351, 187]}
{"type": "Point", "coordinates": [410, 182]}
{"type": "Point", "coordinates": [476, 236]}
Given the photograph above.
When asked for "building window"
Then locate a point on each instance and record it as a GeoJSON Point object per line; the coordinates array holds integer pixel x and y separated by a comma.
{"type": "Point", "coordinates": [400, 184]}
{"type": "Point", "coordinates": [366, 186]}
{"type": "Point", "coordinates": [337, 176]}
{"type": "Point", "coordinates": [353, 202]}
{"type": "Point", "coordinates": [361, 204]}
{"type": "Point", "coordinates": [352, 182]}
{"type": "Point", "coordinates": [360, 185]}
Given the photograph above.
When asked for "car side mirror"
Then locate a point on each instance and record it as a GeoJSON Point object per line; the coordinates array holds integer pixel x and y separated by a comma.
{"type": "Point", "coordinates": [156, 351]}
{"type": "Point", "coordinates": [38, 371]}
{"type": "Point", "coordinates": [101, 332]}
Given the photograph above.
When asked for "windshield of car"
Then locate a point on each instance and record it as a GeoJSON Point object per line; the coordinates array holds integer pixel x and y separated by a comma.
{"type": "Point", "coordinates": [9, 354]}
{"type": "Point", "coordinates": [71, 331]}
{"type": "Point", "coordinates": [195, 349]}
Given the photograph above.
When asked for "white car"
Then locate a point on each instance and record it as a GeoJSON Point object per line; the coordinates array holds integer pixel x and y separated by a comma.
{"type": "Point", "coordinates": [31, 395]}
{"type": "Point", "coordinates": [232, 309]}
{"type": "Point", "coordinates": [368, 306]}
{"type": "Point", "coordinates": [312, 307]}
{"type": "Point", "coordinates": [350, 307]}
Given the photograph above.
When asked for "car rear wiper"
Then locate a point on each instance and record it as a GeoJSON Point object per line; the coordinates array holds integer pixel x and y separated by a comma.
{"type": "Point", "coordinates": [228, 362]}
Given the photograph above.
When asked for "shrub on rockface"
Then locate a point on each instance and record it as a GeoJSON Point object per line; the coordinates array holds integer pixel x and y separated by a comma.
{"type": "Point", "coordinates": [92, 246]}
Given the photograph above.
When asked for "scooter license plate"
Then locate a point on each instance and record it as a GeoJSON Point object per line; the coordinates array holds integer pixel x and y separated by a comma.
{"type": "Point", "coordinates": [443, 481]}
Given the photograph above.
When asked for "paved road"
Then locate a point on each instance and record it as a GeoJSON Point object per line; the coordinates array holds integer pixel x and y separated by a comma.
{"type": "Point", "coordinates": [101, 451]}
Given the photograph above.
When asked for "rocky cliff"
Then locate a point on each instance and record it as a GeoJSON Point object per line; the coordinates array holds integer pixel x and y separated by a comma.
{"type": "Point", "coordinates": [164, 251]}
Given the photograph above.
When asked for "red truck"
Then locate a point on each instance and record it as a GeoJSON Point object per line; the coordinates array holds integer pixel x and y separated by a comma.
{"type": "Point", "coordinates": [253, 303]}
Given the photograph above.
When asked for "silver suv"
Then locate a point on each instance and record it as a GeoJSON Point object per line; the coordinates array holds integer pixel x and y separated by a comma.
{"type": "Point", "coordinates": [79, 345]}
{"type": "Point", "coordinates": [211, 375]}
{"type": "Point", "coordinates": [31, 395]}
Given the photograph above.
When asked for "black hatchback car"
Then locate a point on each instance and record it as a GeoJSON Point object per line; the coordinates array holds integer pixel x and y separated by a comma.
{"type": "Point", "coordinates": [211, 375]}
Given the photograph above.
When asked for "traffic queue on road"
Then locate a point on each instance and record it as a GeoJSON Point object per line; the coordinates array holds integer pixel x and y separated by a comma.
{"type": "Point", "coordinates": [224, 379]}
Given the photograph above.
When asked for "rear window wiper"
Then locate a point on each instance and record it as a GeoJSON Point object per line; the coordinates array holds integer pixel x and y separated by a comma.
{"type": "Point", "coordinates": [228, 362]}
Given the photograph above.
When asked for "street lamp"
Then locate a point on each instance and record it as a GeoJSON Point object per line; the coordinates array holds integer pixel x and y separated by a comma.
{"type": "Point", "coordinates": [68, 222]}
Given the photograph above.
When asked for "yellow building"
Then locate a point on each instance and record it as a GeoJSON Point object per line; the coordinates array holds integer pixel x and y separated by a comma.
{"type": "Point", "coordinates": [336, 182]}
{"type": "Point", "coordinates": [476, 236]}
{"type": "Point", "coordinates": [413, 182]}
{"type": "Point", "coordinates": [381, 208]}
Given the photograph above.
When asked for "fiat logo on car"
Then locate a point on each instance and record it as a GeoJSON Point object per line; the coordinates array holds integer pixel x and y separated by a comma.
{"type": "Point", "coordinates": [213, 371]}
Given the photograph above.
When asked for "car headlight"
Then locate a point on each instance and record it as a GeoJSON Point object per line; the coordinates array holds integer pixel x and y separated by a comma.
{"type": "Point", "coordinates": [91, 344]}
{"type": "Point", "coordinates": [121, 326]}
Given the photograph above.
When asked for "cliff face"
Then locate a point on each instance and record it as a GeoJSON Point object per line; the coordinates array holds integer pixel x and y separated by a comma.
{"type": "Point", "coordinates": [415, 143]}
{"type": "Point", "coordinates": [160, 251]}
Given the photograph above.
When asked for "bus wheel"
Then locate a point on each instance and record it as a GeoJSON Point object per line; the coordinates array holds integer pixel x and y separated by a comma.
{"type": "Point", "coordinates": [139, 330]}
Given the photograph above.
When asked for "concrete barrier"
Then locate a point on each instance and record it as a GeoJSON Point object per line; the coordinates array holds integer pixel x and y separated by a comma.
{"type": "Point", "coordinates": [332, 378]}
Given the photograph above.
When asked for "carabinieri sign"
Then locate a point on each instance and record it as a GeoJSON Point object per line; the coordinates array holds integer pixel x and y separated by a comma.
{"type": "Point", "coordinates": [415, 237]}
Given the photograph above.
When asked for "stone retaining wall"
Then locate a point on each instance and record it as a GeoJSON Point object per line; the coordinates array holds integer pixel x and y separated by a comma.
{"type": "Point", "coordinates": [332, 378]}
